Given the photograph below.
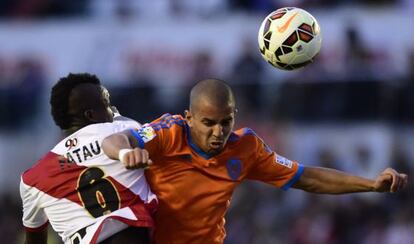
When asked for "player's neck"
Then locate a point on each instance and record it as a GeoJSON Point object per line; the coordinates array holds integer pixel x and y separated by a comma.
{"type": "Point", "coordinates": [72, 130]}
{"type": "Point", "coordinates": [75, 127]}
{"type": "Point", "coordinates": [77, 124]}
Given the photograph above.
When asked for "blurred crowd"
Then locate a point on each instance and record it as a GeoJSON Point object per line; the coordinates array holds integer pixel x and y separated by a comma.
{"type": "Point", "coordinates": [22, 82]}
{"type": "Point", "coordinates": [174, 8]}
{"type": "Point", "coordinates": [359, 93]}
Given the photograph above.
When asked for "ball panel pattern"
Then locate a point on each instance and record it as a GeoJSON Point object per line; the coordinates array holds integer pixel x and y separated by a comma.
{"type": "Point", "coordinates": [289, 38]}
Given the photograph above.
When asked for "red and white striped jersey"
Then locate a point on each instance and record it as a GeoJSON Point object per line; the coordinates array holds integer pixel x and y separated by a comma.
{"type": "Point", "coordinates": [86, 196]}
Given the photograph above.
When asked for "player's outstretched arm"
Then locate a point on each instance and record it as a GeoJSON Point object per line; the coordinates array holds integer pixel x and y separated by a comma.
{"type": "Point", "coordinates": [331, 181]}
{"type": "Point", "coordinates": [123, 147]}
{"type": "Point", "coordinates": [39, 237]}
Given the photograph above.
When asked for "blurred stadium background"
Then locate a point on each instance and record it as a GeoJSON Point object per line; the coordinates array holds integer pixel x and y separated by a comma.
{"type": "Point", "coordinates": [352, 109]}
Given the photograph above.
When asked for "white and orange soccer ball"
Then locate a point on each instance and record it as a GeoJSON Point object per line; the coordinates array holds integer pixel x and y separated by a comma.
{"type": "Point", "coordinates": [289, 38]}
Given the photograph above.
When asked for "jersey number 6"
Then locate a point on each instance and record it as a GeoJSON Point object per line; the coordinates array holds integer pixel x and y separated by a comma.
{"type": "Point", "coordinates": [98, 195]}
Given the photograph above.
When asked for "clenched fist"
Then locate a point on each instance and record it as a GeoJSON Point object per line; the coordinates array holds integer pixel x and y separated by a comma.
{"type": "Point", "coordinates": [390, 181]}
{"type": "Point", "coordinates": [134, 158]}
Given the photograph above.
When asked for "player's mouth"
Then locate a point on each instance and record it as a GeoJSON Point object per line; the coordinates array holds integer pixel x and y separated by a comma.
{"type": "Point", "coordinates": [216, 144]}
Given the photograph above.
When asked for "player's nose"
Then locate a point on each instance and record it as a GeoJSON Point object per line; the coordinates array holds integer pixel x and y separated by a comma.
{"type": "Point", "coordinates": [218, 131]}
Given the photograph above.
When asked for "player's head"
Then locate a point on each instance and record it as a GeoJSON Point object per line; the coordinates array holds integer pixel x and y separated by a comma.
{"type": "Point", "coordinates": [78, 100]}
{"type": "Point", "coordinates": [211, 114]}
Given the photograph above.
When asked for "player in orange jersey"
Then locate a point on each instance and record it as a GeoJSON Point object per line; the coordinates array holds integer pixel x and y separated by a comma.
{"type": "Point", "coordinates": [198, 161]}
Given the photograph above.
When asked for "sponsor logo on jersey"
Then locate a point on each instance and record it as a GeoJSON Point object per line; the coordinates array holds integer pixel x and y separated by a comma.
{"type": "Point", "coordinates": [283, 161]}
{"type": "Point", "coordinates": [84, 153]}
{"type": "Point", "coordinates": [234, 167]}
{"type": "Point", "coordinates": [147, 133]}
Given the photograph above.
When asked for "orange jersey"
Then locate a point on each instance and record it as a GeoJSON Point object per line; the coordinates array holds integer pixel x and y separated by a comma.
{"type": "Point", "coordinates": [194, 188]}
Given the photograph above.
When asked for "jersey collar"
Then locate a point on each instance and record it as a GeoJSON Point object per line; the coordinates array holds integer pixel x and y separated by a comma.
{"type": "Point", "coordinates": [194, 147]}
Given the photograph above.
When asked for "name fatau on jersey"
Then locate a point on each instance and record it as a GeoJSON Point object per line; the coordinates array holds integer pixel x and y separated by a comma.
{"type": "Point", "coordinates": [83, 153]}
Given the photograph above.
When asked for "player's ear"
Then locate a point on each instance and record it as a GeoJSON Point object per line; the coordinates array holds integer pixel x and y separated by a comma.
{"type": "Point", "coordinates": [88, 114]}
{"type": "Point", "coordinates": [188, 117]}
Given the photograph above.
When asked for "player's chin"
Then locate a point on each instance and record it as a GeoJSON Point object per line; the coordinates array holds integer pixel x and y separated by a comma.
{"type": "Point", "coordinates": [216, 147]}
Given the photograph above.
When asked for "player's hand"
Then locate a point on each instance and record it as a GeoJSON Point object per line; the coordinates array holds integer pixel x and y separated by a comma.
{"type": "Point", "coordinates": [390, 181]}
{"type": "Point", "coordinates": [135, 158]}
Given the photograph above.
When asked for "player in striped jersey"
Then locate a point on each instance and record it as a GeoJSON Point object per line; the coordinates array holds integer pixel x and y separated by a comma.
{"type": "Point", "coordinates": [84, 195]}
{"type": "Point", "coordinates": [198, 161]}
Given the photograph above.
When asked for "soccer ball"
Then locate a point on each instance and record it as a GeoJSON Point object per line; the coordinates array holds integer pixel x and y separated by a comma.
{"type": "Point", "coordinates": [289, 38]}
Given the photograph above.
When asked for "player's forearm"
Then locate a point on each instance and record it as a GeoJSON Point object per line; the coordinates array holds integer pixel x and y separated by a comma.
{"type": "Point", "coordinates": [330, 181]}
{"type": "Point", "coordinates": [113, 143]}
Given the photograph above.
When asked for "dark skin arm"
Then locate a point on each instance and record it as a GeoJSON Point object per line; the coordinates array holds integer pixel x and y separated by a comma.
{"type": "Point", "coordinates": [330, 181]}
{"type": "Point", "coordinates": [39, 237]}
{"type": "Point", "coordinates": [136, 158]}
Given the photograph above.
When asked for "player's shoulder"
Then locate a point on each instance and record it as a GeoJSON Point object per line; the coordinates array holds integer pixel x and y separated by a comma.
{"type": "Point", "coordinates": [167, 121]}
{"type": "Point", "coordinates": [101, 130]}
{"type": "Point", "coordinates": [243, 134]}
{"type": "Point", "coordinates": [42, 168]}
{"type": "Point", "coordinates": [247, 138]}
{"type": "Point", "coordinates": [119, 123]}
{"type": "Point", "coordinates": [123, 119]}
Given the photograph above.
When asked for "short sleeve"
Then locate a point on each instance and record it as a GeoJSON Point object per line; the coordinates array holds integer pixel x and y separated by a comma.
{"type": "Point", "coordinates": [271, 168]}
{"type": "Point", "coordinates": [34, 218]}
{"type": "Point", "coordinates": [160, 135]}
{"type": "Point", "coordinates": [147, 137]}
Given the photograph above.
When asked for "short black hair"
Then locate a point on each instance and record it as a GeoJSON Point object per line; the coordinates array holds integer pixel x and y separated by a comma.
{"type": "Point", "coordinates": [59, 98]}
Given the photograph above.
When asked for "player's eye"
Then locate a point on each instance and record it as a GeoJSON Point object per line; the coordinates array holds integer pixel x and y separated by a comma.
{"type": "Point", "coordinates": [226, 122]}
{"type": "Point", "coordinates": [208, 123]}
